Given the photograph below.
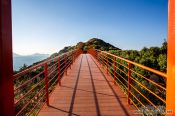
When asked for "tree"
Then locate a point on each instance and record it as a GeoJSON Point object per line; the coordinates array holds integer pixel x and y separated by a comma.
{"type": "Point", "coordinates": [23, 67]}
{"type": "Point", "coordinates": [162, 62]}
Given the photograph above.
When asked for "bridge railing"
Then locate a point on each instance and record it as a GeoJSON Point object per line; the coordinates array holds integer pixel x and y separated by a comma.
{"type": "Point", "coordinates": [33, 86]}
{"type": "Point", "coordinates": [144, 87]}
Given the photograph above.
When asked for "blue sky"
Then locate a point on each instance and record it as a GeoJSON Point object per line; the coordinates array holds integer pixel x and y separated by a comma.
{"type": "Point", "coordinates": [46, 26]}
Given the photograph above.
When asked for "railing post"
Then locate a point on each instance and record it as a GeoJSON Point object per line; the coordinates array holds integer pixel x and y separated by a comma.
{"type": "Point", "coordinates": [6, 64]}
{"type": "Point", "coordinates": [70, 58]}
{"type": "Point", "coordinates": [103, 60]}
{"type": "Point", "coordinates": [107, 63]}
{"type": "Point", "coordinates": [94, 54]}
{"type": "Point", "coordinates": [73, 56]}
{"type": "Point", "coordinates": [97, 55]}
{"type": "Point", "coordinates": [115, 68]}
{"type": "Point", "coordinates": [170, 83]}
{"type": "Point", "coordinates": [76, 54]}
{"type": "Point", "coordinates": [59, 72]}
{"type": "Point", "coordinates": [65, 58]}
{"type": "Point", "coordinates": [99, 58]}
{"type": "Point", "coordinates": [46, 82]}
{"type": "Point", "coordinates": [129, 82]}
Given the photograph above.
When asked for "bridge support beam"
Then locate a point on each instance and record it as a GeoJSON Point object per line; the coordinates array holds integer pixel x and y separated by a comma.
{"type": "Point", "coordinates": [170, 95]}
{"type": "Point", "coordinates": [6, 65]}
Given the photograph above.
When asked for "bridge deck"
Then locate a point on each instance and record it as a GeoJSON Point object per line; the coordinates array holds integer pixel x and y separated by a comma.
{"type": "Point", "coordinates": [87, 91]}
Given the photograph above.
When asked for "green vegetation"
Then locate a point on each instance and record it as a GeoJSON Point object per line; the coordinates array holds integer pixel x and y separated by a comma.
{"type": "Point", "coordinates": [153, 57]}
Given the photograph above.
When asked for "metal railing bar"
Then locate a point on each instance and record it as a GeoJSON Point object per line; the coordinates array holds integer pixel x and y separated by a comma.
{"type": "Point", "coordinates": [149, 90]}
{"type": "Point", "coordinates": [55, 64]}
{"type": "Point", "coordinates": [29, 91]}
{"type": "Point", "coordinates": [30, 101]}
{"type": "Point", "coordinates": [36, 104]}
{"type": "Point", "coordinates": [28, 81]}
{"type": "Point", "coordinates": [53, 71]}
{"type": "Point", "coordinates": [53, 77]}
{"type": "Point", "coordinates": [143, 96]}
{"type": "Point", "coordinates": [18, 75]}
{"type": "Point", "coordinates": [139, 65]}
{"type": "Point", "coordinates": [149, 80]}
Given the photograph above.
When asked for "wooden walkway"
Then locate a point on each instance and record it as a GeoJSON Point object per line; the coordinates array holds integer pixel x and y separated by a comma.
{"type": "Point", "coordinates": [86, 91]}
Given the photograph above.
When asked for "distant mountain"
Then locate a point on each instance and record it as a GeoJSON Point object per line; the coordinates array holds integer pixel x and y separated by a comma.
{"type": "Point", "coordinates": [16, 55]}
{"type": "Point", "coordinates": [38, 54]}
{"type": "Point", "coordinates": [20, 60]}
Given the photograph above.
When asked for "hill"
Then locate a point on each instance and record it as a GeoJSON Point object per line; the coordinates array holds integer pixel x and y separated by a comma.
{"type": "Point", "coordinates": [96, 44]}
{"type": "Point", "coordinates": [92, 43]}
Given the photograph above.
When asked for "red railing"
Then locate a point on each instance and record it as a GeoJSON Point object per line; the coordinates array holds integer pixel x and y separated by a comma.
{"type": "Point", "coordinates": [33, 86]}
{"type": "Point", "coordinates": [138, 82]}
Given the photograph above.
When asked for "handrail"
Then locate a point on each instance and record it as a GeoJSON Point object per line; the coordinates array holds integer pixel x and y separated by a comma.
{"type": "Point", "coordinates": [134, 63]}
{"type": "Point", "coordinates": [33, 85]}
{"type": "Point", "coordinates": [141, 91]}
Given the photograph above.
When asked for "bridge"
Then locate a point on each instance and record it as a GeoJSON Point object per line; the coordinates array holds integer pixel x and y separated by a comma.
{"type": "Point", "coordinates": [73, 83]}
{"type": "Point", "coordinates": [86, 90]}
{"type": "Point", "coordinates": [96, 83]}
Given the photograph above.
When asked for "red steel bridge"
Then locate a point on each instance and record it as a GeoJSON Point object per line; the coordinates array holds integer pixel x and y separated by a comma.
{"type": "Point", "coordinates": [74, 83]}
